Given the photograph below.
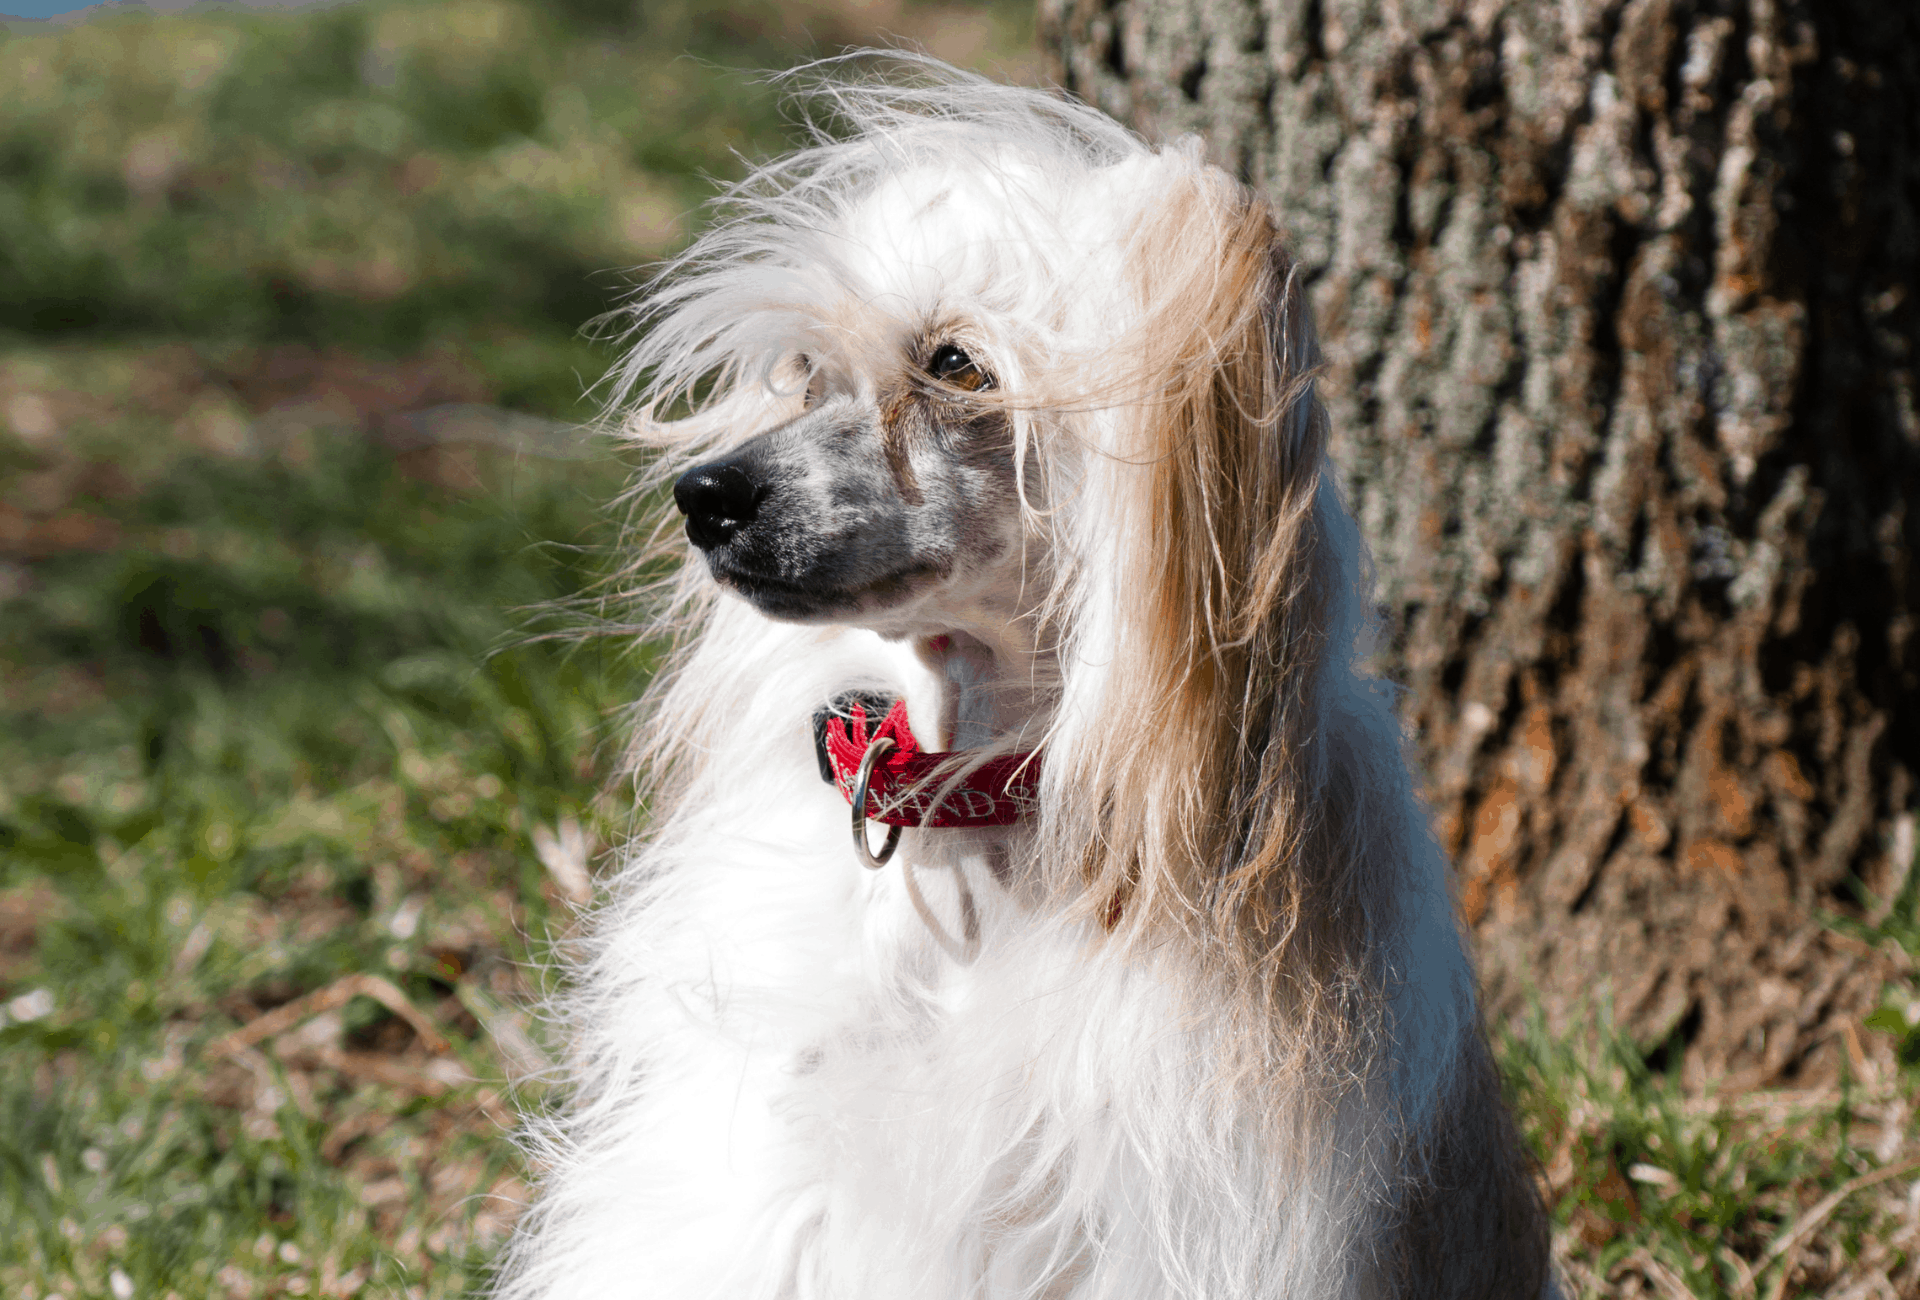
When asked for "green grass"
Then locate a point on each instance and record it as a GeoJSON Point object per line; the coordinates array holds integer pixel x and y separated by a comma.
{"type": "Point", "coordinates": [271, 719]}
{"type": "Point", "coordinates": [279, 731]}
{"type": "Point", "coordinates": [1659, 1191]}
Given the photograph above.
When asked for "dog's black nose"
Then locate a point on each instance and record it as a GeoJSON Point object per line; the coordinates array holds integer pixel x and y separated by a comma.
{"type": "Point", "coordinates": [716, 499]}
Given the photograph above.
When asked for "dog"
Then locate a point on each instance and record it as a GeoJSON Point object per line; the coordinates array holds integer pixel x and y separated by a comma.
{"type": "Point", "coordinates": [1014, 553]}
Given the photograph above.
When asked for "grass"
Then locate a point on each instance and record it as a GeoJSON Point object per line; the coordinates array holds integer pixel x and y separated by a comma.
{"type": "Point", "coordinates": [291, 808]}
{"type": "Point", "coordinates": [260, 735]}
{"type": "Point", "coordinates": [1659, 1192]}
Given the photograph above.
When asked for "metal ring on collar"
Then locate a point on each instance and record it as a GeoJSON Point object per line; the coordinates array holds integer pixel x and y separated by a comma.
{"type": "Point", "coordinates": [879, 749]}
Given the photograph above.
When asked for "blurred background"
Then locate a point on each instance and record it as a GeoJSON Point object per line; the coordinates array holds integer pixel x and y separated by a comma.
{"type": "Point", "coordinates": [296, 472]}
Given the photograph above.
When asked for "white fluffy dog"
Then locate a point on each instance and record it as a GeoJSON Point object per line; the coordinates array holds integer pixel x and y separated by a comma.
{"type": "Point", "coordinates": [999, 424]}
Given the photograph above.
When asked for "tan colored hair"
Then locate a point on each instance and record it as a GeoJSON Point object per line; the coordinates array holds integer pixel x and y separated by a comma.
{"type": "Point", "coordinates": [1192, 803]}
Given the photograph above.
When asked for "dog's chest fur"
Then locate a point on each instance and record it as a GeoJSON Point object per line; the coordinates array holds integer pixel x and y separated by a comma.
{"type": "Point", "coordinates": [827, 1105]}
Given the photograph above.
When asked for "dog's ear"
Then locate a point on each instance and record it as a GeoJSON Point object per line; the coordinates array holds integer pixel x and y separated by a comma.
{"type": "Point", "coordinates": [1213, 581]}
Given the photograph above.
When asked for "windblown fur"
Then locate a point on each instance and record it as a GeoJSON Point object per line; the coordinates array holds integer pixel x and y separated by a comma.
{"type": "Point", "coordinates": [1219, 1039]}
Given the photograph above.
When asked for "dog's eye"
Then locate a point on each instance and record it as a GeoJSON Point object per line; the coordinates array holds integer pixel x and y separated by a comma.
{"type": "Point", "coordinates": [816, 382]}
{"type": "Point", "coordinates": [950, 365]}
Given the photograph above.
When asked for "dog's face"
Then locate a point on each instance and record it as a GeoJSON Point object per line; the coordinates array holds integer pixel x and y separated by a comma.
{"type": "Point", "coordinates": [885, 493]}
{"type": "Point", "coordinates": [890, 494]}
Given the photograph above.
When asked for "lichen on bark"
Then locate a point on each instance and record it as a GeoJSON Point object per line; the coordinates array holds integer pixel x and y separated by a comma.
{"type": "Point", "coordinates": [1618, 301]}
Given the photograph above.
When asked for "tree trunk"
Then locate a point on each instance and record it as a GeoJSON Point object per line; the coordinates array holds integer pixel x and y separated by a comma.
{"type": "Point", "coordinates": [1619, 304]}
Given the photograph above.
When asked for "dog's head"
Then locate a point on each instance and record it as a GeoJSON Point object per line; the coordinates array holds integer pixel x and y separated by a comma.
{"type": "Point", "coordinates": [915, 346]}
{"type": "Point", "coordinates": [887, 344]}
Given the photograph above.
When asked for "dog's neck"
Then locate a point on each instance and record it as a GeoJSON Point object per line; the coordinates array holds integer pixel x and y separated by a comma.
{"type": "Point", "coordinates": [979, 643]}
{"type": "Point", "coordinates": [972, 702]}
{"type": "Point", "coordinates": [991, 684]}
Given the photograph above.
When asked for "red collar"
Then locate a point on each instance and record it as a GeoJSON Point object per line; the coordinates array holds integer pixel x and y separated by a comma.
{"type": "Point", "coordinates": [906, 788]}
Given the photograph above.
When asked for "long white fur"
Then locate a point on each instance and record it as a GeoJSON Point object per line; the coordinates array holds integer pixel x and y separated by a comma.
{"type": "Point", "coordinates": [779, 1085]}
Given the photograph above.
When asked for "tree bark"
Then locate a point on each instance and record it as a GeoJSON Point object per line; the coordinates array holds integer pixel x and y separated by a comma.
{"type": "Point", "coordinates": [1619, 302]}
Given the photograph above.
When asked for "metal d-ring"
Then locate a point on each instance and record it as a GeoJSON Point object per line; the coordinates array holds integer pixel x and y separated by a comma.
{"type": "Point", "coordinates": [879, 749]}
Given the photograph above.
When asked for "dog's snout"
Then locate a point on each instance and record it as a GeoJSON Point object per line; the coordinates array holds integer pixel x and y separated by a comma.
{"type": "Point", "coordinates": [717, 499]}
